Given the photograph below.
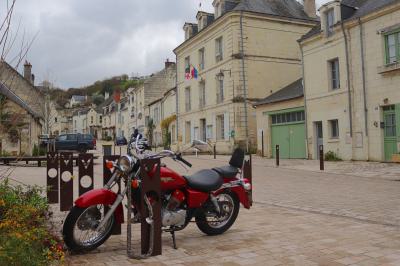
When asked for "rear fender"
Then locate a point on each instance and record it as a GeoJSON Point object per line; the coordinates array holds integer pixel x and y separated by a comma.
{"type": "Point", "coordinates": [240, 193]}
{"type": "Point", "coordinates": [101, 196]}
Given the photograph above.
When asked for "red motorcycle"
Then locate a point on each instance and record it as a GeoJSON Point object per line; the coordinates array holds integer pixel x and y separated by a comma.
{"type": "Point", "coordinates": [212, 197]}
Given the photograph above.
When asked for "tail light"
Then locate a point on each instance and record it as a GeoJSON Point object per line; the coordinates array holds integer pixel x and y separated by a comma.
{"type": "Point", "coordinates": [94, 142]}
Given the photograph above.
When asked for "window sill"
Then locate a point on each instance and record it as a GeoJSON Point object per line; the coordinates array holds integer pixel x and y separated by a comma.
{"type": "Point", "coordinates": [333, 140]}
{"type": "Point", "coordinates": [389, 68]}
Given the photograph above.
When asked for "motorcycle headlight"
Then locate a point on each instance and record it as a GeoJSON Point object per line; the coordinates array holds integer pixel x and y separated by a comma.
{"type": "Point", "coordinates": [125, 163]}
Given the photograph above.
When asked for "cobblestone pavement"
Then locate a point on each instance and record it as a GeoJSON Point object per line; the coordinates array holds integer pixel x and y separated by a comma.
{"type": "Point", "coordinates": [267, 235]}
{"type": "Point", "coordinates": [300, 217]}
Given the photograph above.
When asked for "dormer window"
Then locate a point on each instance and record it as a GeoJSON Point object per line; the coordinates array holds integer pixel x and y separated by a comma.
{"type": "Point", "coordinates": [217, 10]}
{"type": "Point", "coordinates": [330, 21]}
{"type": "Point", "coordinates": [218, 7]}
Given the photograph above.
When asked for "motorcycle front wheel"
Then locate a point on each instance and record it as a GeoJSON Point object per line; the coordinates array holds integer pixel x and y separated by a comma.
{"type": "Point", "coordinates": [211, 223]}
{"type": "Point", "coordinates": [80, 230]}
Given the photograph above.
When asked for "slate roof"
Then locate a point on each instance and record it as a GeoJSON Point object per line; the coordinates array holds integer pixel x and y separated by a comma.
{"type": "Point", "coordinates": [292, 91]}
{"type": "Point", "coordinates": [281, 8]}
{"type": "Point", "coordinates": [15, 98]}
{"type": "Point", "coordinates": [370, 6]}
{"type": "Point", "coordinates": [361, 8]}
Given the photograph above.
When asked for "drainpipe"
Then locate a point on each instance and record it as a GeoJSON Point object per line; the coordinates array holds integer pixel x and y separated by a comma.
{"type": "Point", "coordinates": [348, 80]}
{"type": "Point", "coordinates": [364, 82]}
{"type": "Point", "coordinates": [177, 102]}
{"type": "Point", "coordinates": [244, 80]}
{"type": "Point", "coordinates": [305, 98]}
{"type": "Point", "coordinates": [363, 75]}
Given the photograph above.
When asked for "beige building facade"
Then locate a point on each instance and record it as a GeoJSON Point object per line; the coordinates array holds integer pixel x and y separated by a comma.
{"type": "Point", "coordinates": [351, 79]}
{"type": "Point", "coordinates": [22, 112]}
{"type": "Point", "coordinates": [241, 55]}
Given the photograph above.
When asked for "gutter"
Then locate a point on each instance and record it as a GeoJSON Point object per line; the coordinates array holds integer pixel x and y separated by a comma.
{"type": "Point", "coordinates": [177, 101]}
{"type": "Point", "coordinates": [348, 79]}
{"type": "Point", "coordinates": [305, 98]}
{"type": "Point", "coordinates": [363, 77]}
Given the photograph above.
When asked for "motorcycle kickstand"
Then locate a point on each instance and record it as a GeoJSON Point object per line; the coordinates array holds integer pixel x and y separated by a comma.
{"type": "Point", "coordinates": [173, 239]}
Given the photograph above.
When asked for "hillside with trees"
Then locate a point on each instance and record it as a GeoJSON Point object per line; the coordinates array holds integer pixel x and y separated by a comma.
{"type": "Point", "coordinates": [97, 90]}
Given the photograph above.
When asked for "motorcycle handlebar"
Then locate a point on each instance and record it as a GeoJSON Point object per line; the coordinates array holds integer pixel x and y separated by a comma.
{"type": "Point", "coordinates": [179, 157]}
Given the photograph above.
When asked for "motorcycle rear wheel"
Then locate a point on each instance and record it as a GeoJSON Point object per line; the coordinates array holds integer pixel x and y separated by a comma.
{"type": "Point", "coordinates": [86, 220]}
{"type": "Point", "coordinates": [211, 225]}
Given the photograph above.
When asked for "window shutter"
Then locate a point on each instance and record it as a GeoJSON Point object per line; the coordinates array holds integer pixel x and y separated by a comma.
{"type": "Point", "coordinates": [191, 132]}
{"type": "Point", "coordinates": [226, 126]}
{"type": "Point", "coordinates": [214, 130]}
{"type": "Point", "coordinates": [183, 126]}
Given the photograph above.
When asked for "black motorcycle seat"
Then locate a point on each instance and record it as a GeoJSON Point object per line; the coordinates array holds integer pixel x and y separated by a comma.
{"type": "Point", "coordinates": [205, 180]}
{"type": "Point", "coordinates": [227, 171]}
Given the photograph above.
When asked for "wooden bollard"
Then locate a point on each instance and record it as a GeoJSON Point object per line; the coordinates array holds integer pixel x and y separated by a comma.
{"type": "Point", "coordinates": [277, 155]}
{"type": "Point", "coordinates": [321, 158]}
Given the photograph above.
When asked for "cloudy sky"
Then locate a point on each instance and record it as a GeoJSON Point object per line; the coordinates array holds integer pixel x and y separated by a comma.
{"type": "Point", "coordinates": [81, 41]}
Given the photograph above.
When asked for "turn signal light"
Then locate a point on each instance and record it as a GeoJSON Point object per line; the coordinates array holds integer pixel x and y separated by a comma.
{"type": "Point", "coordinates": [135, 184]}
{"type": "Point", "coordinates": [247, 186]}
{"type": "Point", "coordinates": [110, 165]}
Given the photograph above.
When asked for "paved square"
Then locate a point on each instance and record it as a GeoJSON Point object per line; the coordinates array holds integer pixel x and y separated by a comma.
{"type": "Point", "coordinates": [300, 217]}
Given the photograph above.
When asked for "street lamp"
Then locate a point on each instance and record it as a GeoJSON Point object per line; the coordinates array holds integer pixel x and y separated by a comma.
{"type": "Point", "coordinates": [221, 74]}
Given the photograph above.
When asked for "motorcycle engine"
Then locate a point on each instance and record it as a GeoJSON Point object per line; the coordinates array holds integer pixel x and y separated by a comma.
{"type": "Point", "coordinates": [171, 214]}
{"type": "Point", "coordinates": [173, 218]}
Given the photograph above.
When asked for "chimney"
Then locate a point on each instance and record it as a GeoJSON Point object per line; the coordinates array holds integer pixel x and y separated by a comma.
{"type": "Point", "coordinates": [28, 71]}
{"type": "Point", "coordinates": [168, 64]}
{"type": "Point", "coordinates": [309, 8]}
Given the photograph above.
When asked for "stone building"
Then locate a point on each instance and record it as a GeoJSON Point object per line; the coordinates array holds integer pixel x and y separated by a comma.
{"type": "Point", "coordinates": [281, 121]}
{"type": "Point", "coordinates": [21, 111]}
{"type": "Point", "coordinates": [163, 114]}
{"type": "Point", "coordinates": [243, 52]}
{"type": "Point", "coordinates": [351, 77]}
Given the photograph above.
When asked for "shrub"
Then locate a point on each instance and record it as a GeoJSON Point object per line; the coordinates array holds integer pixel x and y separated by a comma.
{"type": "Point", "coordinates": [25, 238]}
{"type": "Point", "coordinates": [38, 150]}
{"type": "Point", "coordinates": [331, 156]}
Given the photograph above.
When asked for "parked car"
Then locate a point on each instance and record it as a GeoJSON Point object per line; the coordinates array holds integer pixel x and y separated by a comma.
{"type": "Point", "coordinates": [121, 141]}
{"type": "Point", "coordinates": [44, 139]}
{"type": "Point", "coordinates": [75, 142]}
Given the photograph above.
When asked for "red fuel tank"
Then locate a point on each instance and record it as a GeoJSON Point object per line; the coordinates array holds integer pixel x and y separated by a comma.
{"type": "Point", "coordinates": [171, 180]}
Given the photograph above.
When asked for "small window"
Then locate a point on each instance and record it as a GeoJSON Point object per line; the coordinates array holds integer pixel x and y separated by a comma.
{"type": "Point", "coordinates": [220, 90]}
{"type": "Point", "coordinates": [334, 128]}
{"type": "Point", "coordinates": [188, 106]}
{"type": "Point", "coordinates": [187, 65]}
{"type": "Point", "coordinates": [330, 20]}
{"type": "Point", "coordinates": [201, 59]}
{"type": "Point", "coordinates": [220, 127]}
{"type": "Point", "coordinates": [392, 48]}
{"type": "Point", "coordinates": [202, 94]}
{"type": "Point", "coordinates": [209, 133]}
{"type": "Point", "coordinates": [390, 125]}
{"type": "Point", "coordinates": [334, 74]}
{"type": "Point", "coordinates": [219, 55]}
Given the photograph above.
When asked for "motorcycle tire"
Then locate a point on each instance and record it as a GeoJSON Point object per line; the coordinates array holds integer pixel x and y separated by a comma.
{"type": "Point", "coordinates": [206, 228]}
{"type": "Point", "coordinates": [68, 231]}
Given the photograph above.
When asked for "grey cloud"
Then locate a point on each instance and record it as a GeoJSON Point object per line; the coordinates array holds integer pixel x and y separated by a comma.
{"type": "Point", "coordinates": [81, 41]}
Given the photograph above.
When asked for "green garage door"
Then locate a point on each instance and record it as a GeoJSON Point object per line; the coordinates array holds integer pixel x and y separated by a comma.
{"type": "Point", "coordinates": [288, 131]}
